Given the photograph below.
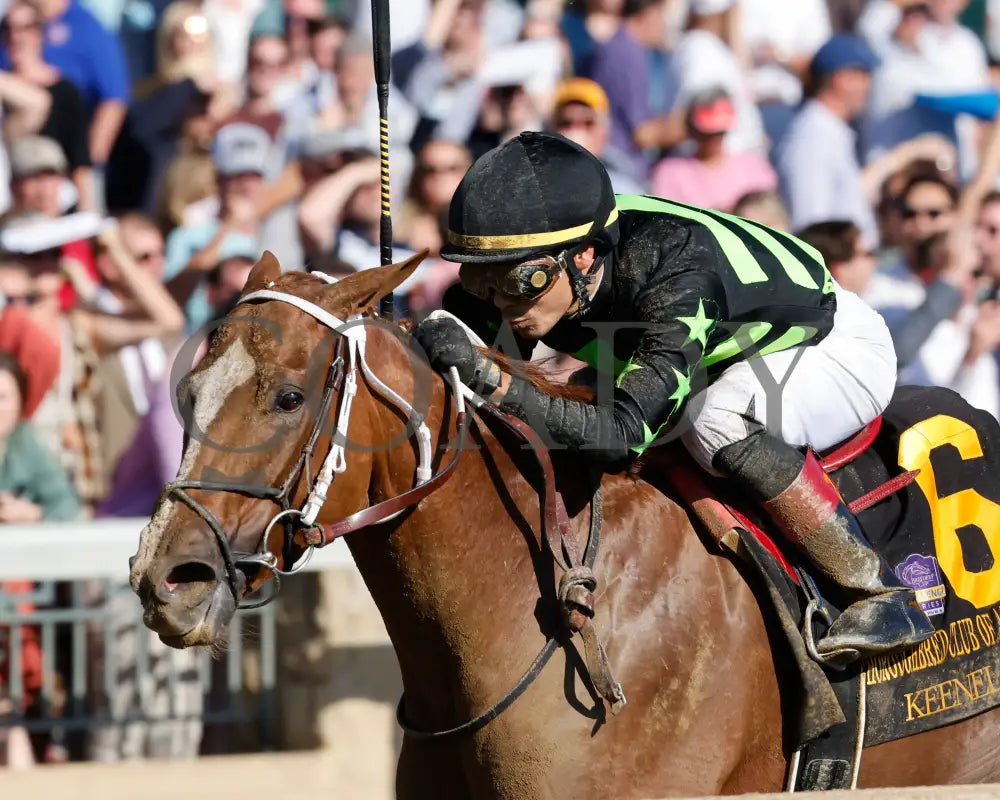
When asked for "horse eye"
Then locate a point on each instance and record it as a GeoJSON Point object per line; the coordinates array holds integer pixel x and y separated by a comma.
{"type": "Point", "coordinates": [290, 400]}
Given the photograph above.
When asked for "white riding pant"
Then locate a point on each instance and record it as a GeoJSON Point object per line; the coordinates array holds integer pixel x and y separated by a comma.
{"type": "Point", "coordinates": [817, 396]}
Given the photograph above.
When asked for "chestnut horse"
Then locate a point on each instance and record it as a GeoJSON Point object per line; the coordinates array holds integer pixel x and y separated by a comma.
{"type": "Point", "coordinates": [463, 585]}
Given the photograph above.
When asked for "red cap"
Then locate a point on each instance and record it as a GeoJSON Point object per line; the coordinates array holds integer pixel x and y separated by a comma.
{"type": "Point", "coordinates": [717, 115]}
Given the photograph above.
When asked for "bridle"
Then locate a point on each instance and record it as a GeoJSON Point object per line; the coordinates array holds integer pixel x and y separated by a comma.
{"type": "Point", "coordinates": [342, 382]}
{"type": "Point", "coordinates": [576, 586]}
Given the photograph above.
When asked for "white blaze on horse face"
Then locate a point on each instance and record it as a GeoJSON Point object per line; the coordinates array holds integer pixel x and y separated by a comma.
{"type": "Point", "coordinates": [212, 388]}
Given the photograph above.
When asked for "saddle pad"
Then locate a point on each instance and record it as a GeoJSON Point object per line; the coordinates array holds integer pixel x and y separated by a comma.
{"type": "Point", "coordinates": [941, 535]}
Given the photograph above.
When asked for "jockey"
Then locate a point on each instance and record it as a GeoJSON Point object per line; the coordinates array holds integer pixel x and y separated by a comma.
{"type": "Point", "coordinates": [729, 334]}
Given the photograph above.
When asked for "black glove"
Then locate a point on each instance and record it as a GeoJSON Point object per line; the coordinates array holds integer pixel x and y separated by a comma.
{"type": "Point", "coordinates": [447, 345]}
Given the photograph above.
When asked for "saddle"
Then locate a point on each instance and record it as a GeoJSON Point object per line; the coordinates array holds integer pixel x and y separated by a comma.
{"type": "Point", "coordinates": [921, 481]}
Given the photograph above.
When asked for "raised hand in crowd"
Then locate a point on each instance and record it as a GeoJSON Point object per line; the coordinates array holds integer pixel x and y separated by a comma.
{"type": "Point", "coordinates": [322, 209]}
{"type": "Point", "coordinates": [984, 337]}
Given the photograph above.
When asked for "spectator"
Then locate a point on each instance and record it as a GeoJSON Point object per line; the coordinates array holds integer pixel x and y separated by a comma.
{"type": "Point", "coordinates": [585, 29]}
{"type": "Point", "coordinates": [781, 36]}
{"type": "Point", "coordinates": [703, 59]}
{"type": "Point", "coordinates": [240, 153]}
{"type": "Point", "coordinates": [988, 243]}
{"type": "Point", "coordinates": [438, 73]}
{"type": "Point", "coordinates": [581, 113]}
{"type": "Point", "coordinates": [818, 167]}
{"type": "Point", "coordinates": [621, 66]}
{"type": "Point", "coordinates": [183, 86]}
{"type": "Point", "coordinates": [90, 58]}
{"type": "Point", "coordinates": [439, 167]}
{"type": "Point", "coordinates": [817, 164]}
{"type": "Point", "coordinates": [26, 106]}
{"type": "Point", "coordinates": [38, 169]}
{"type": "Point", "coordinates": [340, 213]}
{"type": "Point", "coordinates": [927, 296]}
{"type": "Point", "coordinates": [767, 208]}
{"type": "Point", "coordinates": [38, 189]}
{"type": "Point", "coordinates": [267, 63]}
{"type": "Point", "coordinates": [125, 375]}
{"type": "Point", "coordinates": [928, 208]}
{"type": "Point", "coordinates": [21, 32]}
{"type": "Point", "coordinates": [356, 105]}
{"type": "Point", "coordinates": [840, 244]}
{"type": "Point", "coordinates": [712, 177]}
{"type": "Point", "coordinates": [955, 65]}
{"type": "Point", "coordinates": [32, 485]}
{"type": "Point", "coordinates": [36, 351]}
{"type": "Point", "coordinates": [314, 87]}
{"type": "Point", "coordinates": [68, 419]}
{"type": "Point", "coordinates": [904, 71]}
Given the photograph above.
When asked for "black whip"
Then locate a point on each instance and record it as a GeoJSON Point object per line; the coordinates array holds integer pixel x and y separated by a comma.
{"type": "Point", "coordinates": [382, 50]}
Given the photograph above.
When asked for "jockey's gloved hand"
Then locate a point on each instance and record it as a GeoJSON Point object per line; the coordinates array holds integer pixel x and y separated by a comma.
{"type": "Point", "coordinates": [447, 345]}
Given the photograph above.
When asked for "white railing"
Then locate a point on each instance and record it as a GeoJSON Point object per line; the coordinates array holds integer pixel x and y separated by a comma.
{"type": "Point", "coordinates": [65, 551]}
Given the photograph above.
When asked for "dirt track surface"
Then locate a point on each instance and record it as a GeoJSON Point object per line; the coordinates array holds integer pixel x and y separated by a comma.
{"type": "Point", "coordinates": [298, 776]}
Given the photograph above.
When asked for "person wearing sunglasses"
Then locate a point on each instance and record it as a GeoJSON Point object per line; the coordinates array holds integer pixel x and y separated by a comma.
{"type": "Point", "coordinates": [673, 300]}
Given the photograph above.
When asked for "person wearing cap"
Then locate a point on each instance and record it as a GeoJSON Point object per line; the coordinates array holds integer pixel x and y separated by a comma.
{"type": "Point", "coordinates": [240, 153]}
{"type": "Point", "coordinates": [703, 59]}
{"type": "Point", "coordinates": [667, 302]}
{"type": "Point", "coordinates": [581, 113]}
{"type": "Point", "coordinates": [712, 176]}
{"type": "Point", "coordinates": [37, 170]}
{"type": "Point", "coordinates": [818, 168]}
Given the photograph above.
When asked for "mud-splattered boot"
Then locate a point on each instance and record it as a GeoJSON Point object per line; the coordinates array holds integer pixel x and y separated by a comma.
{"type": "Point", "coordinates": [799, 496]}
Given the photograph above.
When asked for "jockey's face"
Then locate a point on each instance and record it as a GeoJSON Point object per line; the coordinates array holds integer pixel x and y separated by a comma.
{"type": "Point", "coordinates": [532, 319]}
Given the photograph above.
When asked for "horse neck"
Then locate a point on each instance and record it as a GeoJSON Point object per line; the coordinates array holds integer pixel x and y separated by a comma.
{"type": "Point", "coordinates": [430, 572]}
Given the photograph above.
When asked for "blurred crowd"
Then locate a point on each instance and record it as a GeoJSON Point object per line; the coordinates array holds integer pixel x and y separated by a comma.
{"type": "Point", "coordinates": [152, 150]}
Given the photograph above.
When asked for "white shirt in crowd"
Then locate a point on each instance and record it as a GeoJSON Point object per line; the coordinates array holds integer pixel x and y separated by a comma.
{"type": "Point", "coordinates": [702, 61]}
{"type": "Point", "coordinates": [793, 29]}
{"type": "Point", "coordinates": [819, 173]}
{"type": "Point", "coordinates": [894, 292]}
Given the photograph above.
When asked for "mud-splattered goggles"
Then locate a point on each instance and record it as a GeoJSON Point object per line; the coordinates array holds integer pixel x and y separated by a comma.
{"type": "Point", "coordinates": [528, 280]}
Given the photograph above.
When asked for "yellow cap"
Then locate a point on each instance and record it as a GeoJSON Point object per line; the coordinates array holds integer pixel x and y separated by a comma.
{"type": "Point", "coordinates": [582, 90]}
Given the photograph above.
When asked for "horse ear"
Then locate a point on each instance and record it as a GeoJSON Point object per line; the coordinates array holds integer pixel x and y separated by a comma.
{"type": "Point", "coordinates": [265, 271]}
{"type": "Point", "coordinates": [363, 289]}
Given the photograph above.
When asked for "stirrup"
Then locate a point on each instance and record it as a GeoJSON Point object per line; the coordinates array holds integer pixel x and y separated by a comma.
{"type": "Point", "coordinates": [816, 607]}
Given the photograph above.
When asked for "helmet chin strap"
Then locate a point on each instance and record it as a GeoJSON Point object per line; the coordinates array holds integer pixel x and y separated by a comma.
{"type": "Point", "coordinates": [579, 281]}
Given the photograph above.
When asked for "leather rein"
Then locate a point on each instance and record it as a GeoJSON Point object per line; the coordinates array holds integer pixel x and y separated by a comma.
{"type": "Point", "coordinates": [577, 583]}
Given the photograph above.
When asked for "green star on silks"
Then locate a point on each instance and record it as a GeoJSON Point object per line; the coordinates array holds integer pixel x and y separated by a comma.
{"type": "Point", "coordinates": [648, 437]}
{"type": "Point", "coordinates": [698, 326]}
{"type": "Point", "coordinates": [682, 391]}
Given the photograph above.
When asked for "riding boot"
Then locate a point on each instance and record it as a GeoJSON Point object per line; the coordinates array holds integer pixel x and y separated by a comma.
{"type": "Point", "coordinates": [794, 489]}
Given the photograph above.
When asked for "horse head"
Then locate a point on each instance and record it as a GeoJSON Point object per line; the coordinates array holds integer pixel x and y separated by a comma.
{"type": "Point", "coordinates": [258, 412]}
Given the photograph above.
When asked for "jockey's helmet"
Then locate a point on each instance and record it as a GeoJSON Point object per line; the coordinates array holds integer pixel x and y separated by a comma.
{"type": "Point", "coordinates": [536, 195]}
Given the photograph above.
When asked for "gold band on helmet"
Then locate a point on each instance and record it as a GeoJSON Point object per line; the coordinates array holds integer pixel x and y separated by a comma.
{"type": "Point", "coordinates": [517, 241]}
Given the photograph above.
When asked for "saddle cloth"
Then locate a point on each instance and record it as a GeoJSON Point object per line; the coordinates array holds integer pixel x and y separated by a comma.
{"type": "Point", "coordinates": [938, 528]}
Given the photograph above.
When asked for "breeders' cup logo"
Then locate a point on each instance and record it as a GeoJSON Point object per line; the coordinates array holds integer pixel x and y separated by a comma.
{"type": "Point", "coordinates": [922, 573]}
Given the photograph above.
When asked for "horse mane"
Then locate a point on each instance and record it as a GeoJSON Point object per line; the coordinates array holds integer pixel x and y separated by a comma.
{"type": "Point", "coordinates": [533, 372]}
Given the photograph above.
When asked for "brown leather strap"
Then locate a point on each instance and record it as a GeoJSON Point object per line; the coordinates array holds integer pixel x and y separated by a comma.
{"type": "Point", "coordinates": [322, 535]}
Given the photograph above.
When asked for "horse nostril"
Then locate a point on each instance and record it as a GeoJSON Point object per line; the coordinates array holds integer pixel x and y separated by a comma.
{"type": "Point", "coordinates": [131, 562]}
{"type": "Point", "coordinates": [192, 572]}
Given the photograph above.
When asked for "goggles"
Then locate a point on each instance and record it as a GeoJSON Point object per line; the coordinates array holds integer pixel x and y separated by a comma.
{"type": "Point", "coordinates": [528, 280]}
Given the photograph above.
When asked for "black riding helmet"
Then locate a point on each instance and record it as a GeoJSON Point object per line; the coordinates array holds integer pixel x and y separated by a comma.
{"type": "Point", "coordinates": [537, 194]}
{"type": "Point", "coordinates": [534, 201]}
